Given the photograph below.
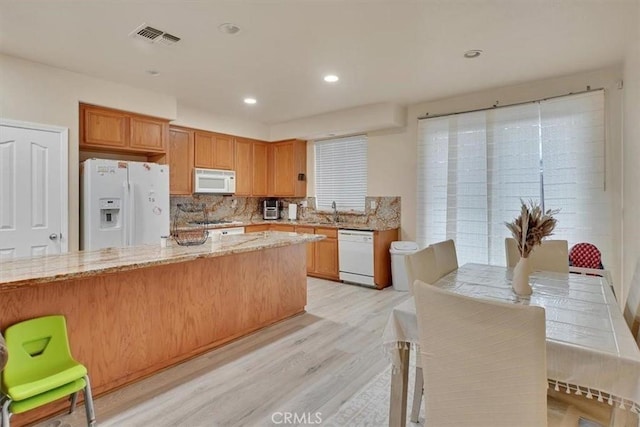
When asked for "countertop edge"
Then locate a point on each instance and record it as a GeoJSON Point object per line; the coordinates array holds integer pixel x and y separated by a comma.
{"type": "Point", "coordinates": [184, 257]}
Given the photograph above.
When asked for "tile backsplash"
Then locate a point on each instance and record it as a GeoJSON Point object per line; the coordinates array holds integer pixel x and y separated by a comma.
{"type": "Point", "coordinates": [378, 210]}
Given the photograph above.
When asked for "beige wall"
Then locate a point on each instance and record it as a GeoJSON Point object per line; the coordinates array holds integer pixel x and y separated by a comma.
{"type": "Point", "coordinates": [392, 154]}
{"type": "Point", "coordinates": [631, 175]}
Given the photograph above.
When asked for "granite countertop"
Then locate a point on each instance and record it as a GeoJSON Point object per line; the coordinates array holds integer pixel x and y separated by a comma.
{"type": "Point", "coordinates": [50, 268]}
{"type": "Point", "coordinates": [338, 225]}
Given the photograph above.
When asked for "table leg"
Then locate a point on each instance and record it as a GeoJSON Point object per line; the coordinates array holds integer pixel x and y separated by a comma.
{"type": "Point", "coordinates": [399, 386]}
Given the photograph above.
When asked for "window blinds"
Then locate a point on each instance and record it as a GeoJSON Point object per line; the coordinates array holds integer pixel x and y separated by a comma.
{"type": "Point", "coordinates": [473, 169]}
{"type": "Point", "coordinates": [341, 173]}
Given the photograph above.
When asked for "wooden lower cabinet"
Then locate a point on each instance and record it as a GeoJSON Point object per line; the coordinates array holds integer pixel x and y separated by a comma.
{"type": "Point", "coordinates": [283, 227]}
{"type": "Point", "coordinates": [311, 248]}
{"type": "Point", "coordinates": [256, 228]}
{"type": "Point", "coordinates": [322, 256]}
{"type": "Point", "coordinates": [326, 256]}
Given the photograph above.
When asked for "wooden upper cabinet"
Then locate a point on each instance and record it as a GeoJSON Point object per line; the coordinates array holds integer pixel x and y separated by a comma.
{"type": "Point", "coordinates": [260, 169]}
{"type": "Point", "coordinates": [288, 161]}
{"type": "Point", "coordinates": [103, 128]}
{"type": "Point", "coordinates": [251, 167]}
{"type": "Point", "coordinates": [224, 156]}
{"type": "Point", "coordinates": [109, 130]}
{"type": "Point", "coordinates": [214, 151]}
{"type": "Point", "coordinates": [204, 150]}
{"type": "Point", "coordinates": [180, 161]}
{"type": "Point", "coordinates": [148, 134]}
{"type": "Point", "coordinates": [244, 167]}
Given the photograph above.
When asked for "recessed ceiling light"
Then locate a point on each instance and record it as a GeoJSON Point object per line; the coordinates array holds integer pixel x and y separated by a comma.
{"type": "Point", "coordinates": [153, 73]}
{"type": "Point", "coordinates": [250, 101]}
{"type": "Point", "coordinates": [473, 53]}
{"type": "Point", "coordinates": [229, 28]}
{"type": "Point", "coordinates": [331, 78]}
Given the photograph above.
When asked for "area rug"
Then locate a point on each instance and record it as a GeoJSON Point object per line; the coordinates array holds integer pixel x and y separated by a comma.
{"type": "Point", "coordinates": [369, 407]}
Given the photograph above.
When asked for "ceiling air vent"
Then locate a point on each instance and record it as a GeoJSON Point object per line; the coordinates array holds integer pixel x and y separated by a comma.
{"type": "Point", "coordinates": [153, 35]}
{"type": "Point", "coordinates": [168, 39]}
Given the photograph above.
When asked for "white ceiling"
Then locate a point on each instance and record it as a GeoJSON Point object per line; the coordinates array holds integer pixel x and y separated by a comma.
{"type": "Point", "coordinates": [383, 51]}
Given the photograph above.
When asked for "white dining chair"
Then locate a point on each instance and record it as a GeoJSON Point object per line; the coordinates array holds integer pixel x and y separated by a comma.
{"type": "Point", "coordinates": [484, 362]}
{"type": "Point", "coordinates": [421, 266]}
{"type": "Point", "coordinates": [446, 257]}
{"type": "Point", "coordinates": [551, 255]}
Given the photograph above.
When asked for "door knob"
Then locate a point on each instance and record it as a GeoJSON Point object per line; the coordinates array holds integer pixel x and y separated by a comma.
{"type": "Point", "coordinates": [53, 236]}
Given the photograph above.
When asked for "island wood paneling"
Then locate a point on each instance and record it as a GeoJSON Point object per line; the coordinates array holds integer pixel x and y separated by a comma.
{"type": "Point", "coordinates": [127, 325]}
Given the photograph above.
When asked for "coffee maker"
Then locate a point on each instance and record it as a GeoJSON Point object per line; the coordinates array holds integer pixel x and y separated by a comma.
{"type": "Point", "coordinates": [271, 209]}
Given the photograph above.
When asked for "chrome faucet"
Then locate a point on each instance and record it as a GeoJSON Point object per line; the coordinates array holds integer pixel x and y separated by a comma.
{"type": "Point", "coordinates": [335, 211]}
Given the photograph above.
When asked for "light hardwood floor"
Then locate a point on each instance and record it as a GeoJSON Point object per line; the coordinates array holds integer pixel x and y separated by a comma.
{"type": "Point", "coordinates": [309, 364]}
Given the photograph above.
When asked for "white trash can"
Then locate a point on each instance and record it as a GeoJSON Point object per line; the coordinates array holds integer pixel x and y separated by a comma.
{"type": "Point", "coordinates": [398, 251]}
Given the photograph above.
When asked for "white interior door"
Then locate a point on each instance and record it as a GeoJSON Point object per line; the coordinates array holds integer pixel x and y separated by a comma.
{"type": "Point", "coordinates": [33, 190]}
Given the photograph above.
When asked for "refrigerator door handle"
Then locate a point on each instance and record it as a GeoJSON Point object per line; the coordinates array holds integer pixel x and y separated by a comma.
{"type": "Point", "coordinates": [132, 214]}
{"type": "Point", "coordinates": [125, 213]}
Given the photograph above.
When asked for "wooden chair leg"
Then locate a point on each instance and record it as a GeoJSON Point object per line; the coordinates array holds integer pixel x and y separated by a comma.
{"type": "Point", "coordinates": [417, 395]}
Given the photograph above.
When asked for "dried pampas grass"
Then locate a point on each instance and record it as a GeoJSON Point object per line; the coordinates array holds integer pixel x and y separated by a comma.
{"type": "Point", "coordinates": [531, 226]}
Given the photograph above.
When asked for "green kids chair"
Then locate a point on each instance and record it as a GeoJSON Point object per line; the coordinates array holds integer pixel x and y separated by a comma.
{"type": "Point", "coordinates": [41, 369]}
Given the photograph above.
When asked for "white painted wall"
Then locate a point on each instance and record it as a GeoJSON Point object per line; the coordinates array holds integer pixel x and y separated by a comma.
{"type": "Point", "coordinates": [631, 165]}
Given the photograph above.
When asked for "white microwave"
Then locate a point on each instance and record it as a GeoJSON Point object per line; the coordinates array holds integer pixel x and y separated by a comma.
{"type": "Point", "coordinates": [214, 181]}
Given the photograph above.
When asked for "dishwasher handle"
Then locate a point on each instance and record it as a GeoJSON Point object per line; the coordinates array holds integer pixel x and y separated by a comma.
{"type": "Point", "coordinates": [355, 236]}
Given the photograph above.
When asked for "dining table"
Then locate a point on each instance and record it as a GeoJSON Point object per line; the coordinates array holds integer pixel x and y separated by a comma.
{"type": "Point", "coordinates": [590, 349]}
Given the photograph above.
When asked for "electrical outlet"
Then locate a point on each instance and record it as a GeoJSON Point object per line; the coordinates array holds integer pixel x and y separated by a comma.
{"type": "Point", "coordinates": [373, 204]}
{"type": "Point", "coordinates": [303, 204]}
{"type": "Point", "coordinates": [234, 203]}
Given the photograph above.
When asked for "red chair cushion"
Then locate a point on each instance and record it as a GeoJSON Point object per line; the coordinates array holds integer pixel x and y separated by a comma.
{"type": "Point", "coordinates": [585, 255]}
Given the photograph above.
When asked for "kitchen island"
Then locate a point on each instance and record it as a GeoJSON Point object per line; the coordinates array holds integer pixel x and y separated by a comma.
{"type": "Point", "coordinates": [134, 311]}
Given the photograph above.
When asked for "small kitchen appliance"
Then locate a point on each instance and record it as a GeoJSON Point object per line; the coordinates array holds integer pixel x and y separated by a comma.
{"type": "Point", "coordinates": [293, 212]}
{"type": "Point", "coordinates": [214, 181]}
{"type": "Point", "coordinates": [271, 209]}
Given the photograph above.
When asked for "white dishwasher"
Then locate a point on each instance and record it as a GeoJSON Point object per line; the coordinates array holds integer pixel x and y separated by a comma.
{"type": "Point", "coordinates": [355, 255]}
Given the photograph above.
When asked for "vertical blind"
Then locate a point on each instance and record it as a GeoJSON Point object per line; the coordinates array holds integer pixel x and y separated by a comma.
{"type": "Point", "coordinates": [341, 173]}
{"type": "Point", "coordinates": [474, 168]}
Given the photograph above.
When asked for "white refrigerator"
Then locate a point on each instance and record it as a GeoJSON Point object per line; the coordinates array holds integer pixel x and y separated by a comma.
{"type": "Point", "coordinates": [123, 203]}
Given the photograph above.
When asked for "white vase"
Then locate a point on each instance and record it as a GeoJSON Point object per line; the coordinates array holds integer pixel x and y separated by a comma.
{"type": "Point", "coordinates": [521, 273]}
